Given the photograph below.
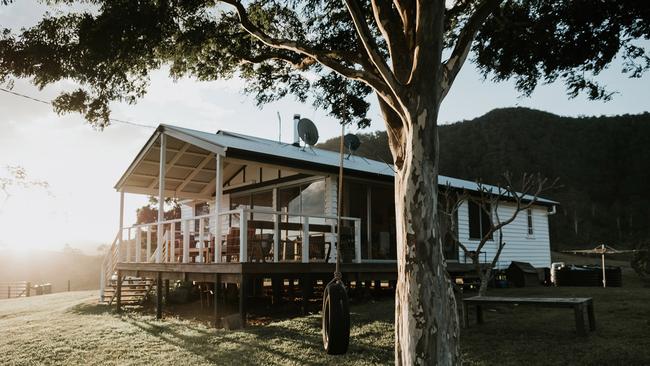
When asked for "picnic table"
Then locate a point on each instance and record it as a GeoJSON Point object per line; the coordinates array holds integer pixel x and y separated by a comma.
{"type": "Point", "coordinates": [580, 306]}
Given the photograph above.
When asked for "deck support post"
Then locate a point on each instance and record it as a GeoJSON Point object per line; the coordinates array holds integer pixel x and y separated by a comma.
{"type": "Point", "coordinates": [306, 290]}
{"type": "Point", "coordinates": [218, 192]}
{"type": "Point", "coordinates": [161, 197]}
{"type": "Point", "coordinates": [159, 295]}
{"type": "Point", "coordinates": [118, 292]}
{"type": "Point", "coordinates": [166, 291]}
{"type": "Point", "coordinates": [276, 285]}
{"type": "Point", "coordinates": [242, 298]}
{"type": "Point", "coordinates": [217, 285]}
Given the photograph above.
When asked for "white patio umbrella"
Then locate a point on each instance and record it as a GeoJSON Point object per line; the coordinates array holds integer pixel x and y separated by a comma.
{"type": "Point", "coordinates": [602, 250]}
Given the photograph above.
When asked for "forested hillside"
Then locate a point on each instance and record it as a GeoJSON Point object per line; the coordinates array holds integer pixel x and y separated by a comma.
{"type": "Point", "coordinates": [603, 164]}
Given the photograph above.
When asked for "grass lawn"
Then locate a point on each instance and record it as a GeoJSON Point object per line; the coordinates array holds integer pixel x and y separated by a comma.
{"type": "Point", "coordinates": [68, 328]}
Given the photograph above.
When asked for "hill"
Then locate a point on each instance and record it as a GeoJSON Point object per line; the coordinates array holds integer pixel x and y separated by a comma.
{"type": "Point", "coordinates": [602, 163]}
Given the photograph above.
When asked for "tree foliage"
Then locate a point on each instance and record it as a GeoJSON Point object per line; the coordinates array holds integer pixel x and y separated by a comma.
{"type": "Point", "coordinates": [111, 49]}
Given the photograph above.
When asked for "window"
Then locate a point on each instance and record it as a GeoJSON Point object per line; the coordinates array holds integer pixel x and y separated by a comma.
{"type": "Point", "coordinates": [529, 214]}
{"type": "Point", "coordinates": [480, 221]}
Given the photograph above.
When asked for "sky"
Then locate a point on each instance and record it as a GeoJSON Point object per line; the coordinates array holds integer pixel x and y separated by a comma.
{"type": "Point", "coordinates": [80, 208]}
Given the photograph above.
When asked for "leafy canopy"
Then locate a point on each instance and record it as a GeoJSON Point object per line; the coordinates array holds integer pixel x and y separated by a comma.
{"type": "Point", "coordinates": [110, 51]}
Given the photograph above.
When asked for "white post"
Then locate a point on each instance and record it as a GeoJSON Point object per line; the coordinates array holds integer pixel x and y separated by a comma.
{"type": "Point", "coordinates": [149, 243]}
{"type": "Point", "coordinates": [161, 197]}
{"type": "Point", "coordinates": [276, 238]}
{"type": "Point", "coordinates": [333, 243]}
{"type": "Point", "coordinates": [172, 243]}
{"type": "Point", "coordinates": [357, 240]}
{"type": "Point", "coordinates": [305, 240]}
{"type": "Point", "coordinates": [201, 238]}
{"type": "Point", "coordinates": [128, 245]}
{"type": "Point", "coordinates": [119, 240]}
{"type": "Point", "coordinates": [186, 241]}
{"type": "Point", "coordinates": [218, 192]}
{"type": "Point", "coordinates": [243, 236]}
{"type": "Point", "coordinates": [138, 245]}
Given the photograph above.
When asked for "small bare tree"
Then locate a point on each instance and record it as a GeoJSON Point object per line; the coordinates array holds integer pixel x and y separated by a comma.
{"type": "Point", "coordinates": [489, 199]}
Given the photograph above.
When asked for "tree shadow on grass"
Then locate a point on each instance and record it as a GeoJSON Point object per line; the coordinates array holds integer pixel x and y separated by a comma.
{"type": "Point", "coordinates": [295, 341]}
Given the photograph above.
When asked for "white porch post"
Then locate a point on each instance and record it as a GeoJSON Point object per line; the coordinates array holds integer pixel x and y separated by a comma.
{"type": "Point", "coordinates": [119, 237]}
{"type": "Point", "coordinates": [148, 259]}
{"type": "Point", "coordinates": [138, 245]}
{"type": "Point", "coordinates": [357, 240]}
{"type": "Point", "coordinates": [276, 228]}
{"type": "Point", "coordinates": [161, 197]}
{"type": "Point", "coordinates": [305, 240]}
{"type": "Point", "coordinates": [243, 236]}
{"type": "Point", "coordinates": [186, 241]}
{"type": "Point", "coordinates": [218, 192]}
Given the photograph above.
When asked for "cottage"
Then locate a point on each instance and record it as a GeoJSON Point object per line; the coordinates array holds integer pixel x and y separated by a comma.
{"type": "Point", "coordinates": [256, 209]}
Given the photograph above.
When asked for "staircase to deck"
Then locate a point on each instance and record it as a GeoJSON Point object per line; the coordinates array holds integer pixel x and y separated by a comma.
{"type": "Point", "coordinates": [134, 290]}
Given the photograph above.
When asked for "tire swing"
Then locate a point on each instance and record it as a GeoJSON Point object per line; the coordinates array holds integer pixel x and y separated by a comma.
{"type": "Point", "coordinates": [336, 310]}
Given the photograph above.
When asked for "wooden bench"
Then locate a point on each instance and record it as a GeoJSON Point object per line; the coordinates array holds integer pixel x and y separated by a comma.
{"type": "Point", "coordinates": [580, 305]}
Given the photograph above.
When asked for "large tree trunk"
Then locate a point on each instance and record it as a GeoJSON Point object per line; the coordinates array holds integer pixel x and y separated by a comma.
{"type": "Point", "coordinates": [426, 320]}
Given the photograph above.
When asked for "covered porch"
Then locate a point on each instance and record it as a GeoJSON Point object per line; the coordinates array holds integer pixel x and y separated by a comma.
{"type": "Point", "coordinates": [250, 201]}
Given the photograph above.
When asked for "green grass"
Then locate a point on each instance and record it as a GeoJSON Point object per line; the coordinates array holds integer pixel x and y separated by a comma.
{"type": "Point", "coordinates": [68, 328]}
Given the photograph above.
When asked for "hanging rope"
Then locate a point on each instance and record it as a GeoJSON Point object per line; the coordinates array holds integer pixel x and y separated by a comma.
{"type": "Point", "coordinates": [337, 271]}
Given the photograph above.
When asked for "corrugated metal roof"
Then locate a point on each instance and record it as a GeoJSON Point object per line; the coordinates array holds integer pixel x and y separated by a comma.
{"type": "Point", "coordinates": [327, 158]}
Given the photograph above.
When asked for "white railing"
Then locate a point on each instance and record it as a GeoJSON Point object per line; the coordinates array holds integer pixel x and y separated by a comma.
{"type": "Point", "coordinates": [194, 239]}
{"type": "Point", "coordinates": [108, 265]}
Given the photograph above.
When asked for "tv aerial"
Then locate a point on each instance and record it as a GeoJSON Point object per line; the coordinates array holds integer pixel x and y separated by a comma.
{"type": "Point", "coordinates": [308, 133]}
{"type": "Point", "coordinates": [352, 143]}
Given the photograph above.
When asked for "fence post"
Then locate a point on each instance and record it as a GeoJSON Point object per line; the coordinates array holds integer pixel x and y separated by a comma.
{"type": "Point", "coordinates": [68, 285]}
{"type": "Point", "coordinates": [9, 292]}
{"type": "Point", "coordinates": [28, 288]}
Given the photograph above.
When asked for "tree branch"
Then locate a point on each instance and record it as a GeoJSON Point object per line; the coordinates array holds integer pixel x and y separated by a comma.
{"type": "Point", "coordinates": [392, 28]}
{"type": "Point", "coordinates": [328, 59]}
{"type": "Point", "coordinates": [464, 43]}
{"type": "Point", "coordinates": [363, 31]}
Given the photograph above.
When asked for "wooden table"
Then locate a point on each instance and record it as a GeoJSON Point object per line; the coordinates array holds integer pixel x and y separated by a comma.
{"type": "Point", "coordinates": [580, 305]}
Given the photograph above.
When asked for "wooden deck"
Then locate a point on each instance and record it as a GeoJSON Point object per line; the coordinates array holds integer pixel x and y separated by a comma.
{"type": "Point", "coordinates": [232, 272]}
{"type": "Point", "coordinates": [246, 276]}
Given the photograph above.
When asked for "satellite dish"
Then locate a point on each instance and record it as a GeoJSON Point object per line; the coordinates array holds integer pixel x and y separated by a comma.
{"type": "Point", "coordinates": [352, 143]}
{"type": "Point", "coordinates": [307, 131]}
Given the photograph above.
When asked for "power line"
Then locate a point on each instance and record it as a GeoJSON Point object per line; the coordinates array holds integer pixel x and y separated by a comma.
{"type": "Point", "coordinates": [50, 103]}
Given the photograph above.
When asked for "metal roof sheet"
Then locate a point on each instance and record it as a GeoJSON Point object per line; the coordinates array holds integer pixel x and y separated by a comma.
{"type": "Point", "coordinates": [226, 140]}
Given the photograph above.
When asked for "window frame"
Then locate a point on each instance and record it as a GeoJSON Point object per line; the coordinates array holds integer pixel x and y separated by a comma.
{"type": "Point", "coordinates": [482, 215]}
{"type": "Point", "coordinates": [530, 230]}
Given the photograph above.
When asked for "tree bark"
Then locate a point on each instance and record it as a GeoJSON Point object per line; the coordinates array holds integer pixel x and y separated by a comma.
{"type": "Point", "coordinates": [426, 320]}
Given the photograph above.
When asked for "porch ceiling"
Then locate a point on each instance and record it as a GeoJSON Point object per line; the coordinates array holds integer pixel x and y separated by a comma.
{"type": "Point", "coordinates": [190, 171]}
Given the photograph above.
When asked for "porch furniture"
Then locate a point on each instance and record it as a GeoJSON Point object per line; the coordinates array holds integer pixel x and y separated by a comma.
{"type": "Point", "coordinates": [255, 246]}
{"type": "Point", "coordinates": [580, 305]}
{"type": "Point", "coordinates": [316, 246]}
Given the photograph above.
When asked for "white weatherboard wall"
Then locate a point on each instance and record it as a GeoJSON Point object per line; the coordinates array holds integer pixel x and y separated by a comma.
{"type": "Point", "coordinates": [534, 249]}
